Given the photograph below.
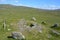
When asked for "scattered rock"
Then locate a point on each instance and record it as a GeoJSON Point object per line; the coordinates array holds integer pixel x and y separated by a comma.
{"type": "Point", "coordinates": [28, 28]}
{"type": "Point", "coordinates": [9, 37]}
{"type": "Point", "coordinates": [18, 35]}
{"type": "Point", "coordinates": [54, 26]}
{"type": "Point", "coordinates": [33, 18]}
{"type": "Point", "coordinates": [40, 31]}
{"type": "Point", "coordinates": [9, 29]}
{"type": "Point", "coordinates": [39, 28]}
{"type": "Point", "coordinates": [55, 32]}
{"type": "Point", "coordinates": [22, 22]}
{"type": "Point", "coordinates": [22, 25]}
{"type": "Point", "coordinates": [43, 22]}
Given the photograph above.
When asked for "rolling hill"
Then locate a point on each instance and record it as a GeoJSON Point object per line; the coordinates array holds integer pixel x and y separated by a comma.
{"type": "Point", "coordinates": [12, 14]}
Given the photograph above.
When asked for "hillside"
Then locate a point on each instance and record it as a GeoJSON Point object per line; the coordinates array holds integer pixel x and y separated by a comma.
{"type": "Point", "coordinates": [12, 14]}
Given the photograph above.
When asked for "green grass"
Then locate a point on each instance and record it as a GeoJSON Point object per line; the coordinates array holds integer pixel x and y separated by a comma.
{"type": "Point", "coordinates": [13, 14]}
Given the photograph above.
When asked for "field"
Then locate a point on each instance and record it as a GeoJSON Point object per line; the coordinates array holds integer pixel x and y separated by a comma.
{"type": "Point", "coordinates": [12, 15]}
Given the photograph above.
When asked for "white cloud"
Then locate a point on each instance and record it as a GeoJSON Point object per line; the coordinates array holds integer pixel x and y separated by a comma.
{"type": "Point", "coordinates": [50, 7]}
{"type": "Point", "coordinates": [53, 7]}
{"type": "Point", "coordinates": [41, 7]}
{"type": "Point", "coordinates": [16, 1]}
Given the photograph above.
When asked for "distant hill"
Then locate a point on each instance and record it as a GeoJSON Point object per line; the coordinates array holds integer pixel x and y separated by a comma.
{"type": "Point", "coordinates": [7, 10]}
{"type": "Point", "coordinates": [22, 12]}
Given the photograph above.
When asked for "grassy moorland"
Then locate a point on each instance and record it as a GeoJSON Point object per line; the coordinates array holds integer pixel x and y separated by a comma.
{"type": "Point", "coordinates": [12, 14]}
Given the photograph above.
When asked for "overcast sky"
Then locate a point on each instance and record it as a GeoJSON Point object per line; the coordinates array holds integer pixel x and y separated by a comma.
{"type": "Point", "coordinates": [43, 4]}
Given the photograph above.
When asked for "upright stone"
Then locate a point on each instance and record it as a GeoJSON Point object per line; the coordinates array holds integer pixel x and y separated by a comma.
{"type": "Point", "coordinates": [4, 25]}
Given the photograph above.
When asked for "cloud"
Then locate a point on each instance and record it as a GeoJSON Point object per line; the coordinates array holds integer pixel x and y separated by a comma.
{"type": "Point", "coordinates": [16, 1]}
{"type": "Point", "coordinates": [49, 7]}
{"type": "Point", "coordinates": [43, 7]}
{"type": "Point", "coordinates": [20, 4]}
{"type": "Point", "coordinates": [53, 7]}
{"type": "Point", "coordinates": [40, 6]}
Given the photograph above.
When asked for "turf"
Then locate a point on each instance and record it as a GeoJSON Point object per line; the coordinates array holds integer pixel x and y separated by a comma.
{"type": "Point", "coordinates": [12, 14]}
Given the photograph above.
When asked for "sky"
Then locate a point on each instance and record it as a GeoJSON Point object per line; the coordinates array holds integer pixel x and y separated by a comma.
{"type": "Point", "coordinates": [42, 4]}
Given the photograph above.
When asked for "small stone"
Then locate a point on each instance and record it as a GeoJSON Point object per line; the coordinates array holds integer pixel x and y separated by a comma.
{"type": "Point", "coordinates": [55, 32]}
{"type": "Point", "coordinates": [40, 31]}
{"type": "Point", "coordinates": [9, 29]}
{"type": "Point", "coordinates": [33, 18]}
{"type": "Point", "coordinates": [9, 37]}
{"type": "Point", "coordinates": [43, 22]}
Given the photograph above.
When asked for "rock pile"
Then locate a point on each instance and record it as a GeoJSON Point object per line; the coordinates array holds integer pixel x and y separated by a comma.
{"type": "Point", "coordinates": [33, 26]}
